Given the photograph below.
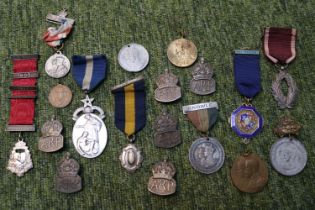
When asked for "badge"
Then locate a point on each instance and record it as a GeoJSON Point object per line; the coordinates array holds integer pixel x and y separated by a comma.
{"type": "Point", "coordinates": [20, 159]}
{"type": "Point", "coordinates": [60, 96]}
{"type": "Point", "coordinates": [51, 139]}
{"type": "Point", "coordinates": [202, 82]}
{"type": "Point", "coordinates": [57, 65]}
{"type": "Point", "coordinates": [133, 57]}
{"type": "Point", "coordinates": [167, 90]}
{"type": "Point", "coordinates": [162, 182]}
{"type": "Point", "coordinates": [166, 133]}
{"type": "Point", "coordinates": [131, 158]}
{"type": "Point", "coordinates": [182, 52]}
{"type": "Point", "coordinates": [249, 173]}
{"type": "Point", "coordinates": [68, 180]}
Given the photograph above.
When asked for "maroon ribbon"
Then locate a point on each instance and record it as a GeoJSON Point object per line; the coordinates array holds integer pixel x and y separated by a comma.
{"type": "Point", "coordinates": [279, 44]}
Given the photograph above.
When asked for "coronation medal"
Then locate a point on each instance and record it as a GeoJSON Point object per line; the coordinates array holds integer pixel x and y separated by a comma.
{"type": "Point", "coordinates": [58, 65]}
{"type": "Point", "coordinates": [133, 57]}
{"type": "Point", "coordinates": [206, 154]}
{"type": "Point", "coordinates": [89, 133]}
{"type": "Point", "coordinates": [130, 117]}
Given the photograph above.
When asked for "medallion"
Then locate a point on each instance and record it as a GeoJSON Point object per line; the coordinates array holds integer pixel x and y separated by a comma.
{"type": "Point", "coordinates": [182, 52]}
{"type": "Point", "coordinates": [162, 182]}
{"type": "Point", "coordinates": [57, 65]}
{"type": "Point", "coordinates": [249, 173]}
{"type": "Point", "coordinates": [60, 96]}
{"type": "Point", "coordinates": [68, 180]}
{"type": "Point", "coordinates": [166, 133]}
{"type": "Point", "coordinates": [131, 158]}
{"type": "Point", "coordinates": [89, 133]}
{"type": "Point", "coordinates": [51, 139]}
{"type": "Point", "coordinates": [167, 90]}
{"type": "Point", "coordinates": [206, 155]}
{"type": "Point", "coordinates": [202, 82]}
{"type": "Point", "coordinates": [20, 159]}
{"type": "Point", "coordinates": [133, 57]}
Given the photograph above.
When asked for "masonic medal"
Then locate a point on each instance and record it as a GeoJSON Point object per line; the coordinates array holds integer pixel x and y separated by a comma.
{"type": "Point", "coordinates": [182, 52]}
{"type": "Point", "coordinates": [288, 155]}
{"type": "Point", "coordinates": [89, 133]}
{"type": "Point", "coordinates": [60, 96]}
{"type": "Point", "coordinates": [51, 139]}
{"type": "Point", "coordinates": [130, 117]}
{"type": "Point", "coordinates": [133, 57]}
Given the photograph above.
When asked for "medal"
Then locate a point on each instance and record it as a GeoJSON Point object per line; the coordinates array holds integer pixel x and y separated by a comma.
{"type": "Point", "coordinates": [89, 133]}
{"type": "Point", "coordinates": [68, 180]}
{"type": "Point", "coordinates": [51, 139]}
{"type": "Point", "coordinates": [166, 133]}
{"type": "Point", "coordinates": [206, 154]}
{"type": "Point", "coordinates": [202, 82]}
{"type": "Point", "coordinates": [20, 158]}
{"type": "Point", "coordinates": [133, 57]}
{"type": "Point", "coordinates": [249, 173]}
{"type": "Point", "coordinates": [162, 182]}
{"type": "Point", "coordinates": [279, 47]}
{"type": "Point", "coordinates": [288, 155]}
{"type": "Point", "coordinates": [60, 96]}
{"type": "Point", "coordinates": [167, 90]}
{"type": "Point", "coordinates": [58, 65]}
{"type": "Point", "coordinates": [130, 117]}
{"type": "Point", "coordinates": [182, 52]}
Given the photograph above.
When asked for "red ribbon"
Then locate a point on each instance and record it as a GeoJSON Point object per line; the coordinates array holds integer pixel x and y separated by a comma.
{"type": "Point", "coordinates": [279, 44]}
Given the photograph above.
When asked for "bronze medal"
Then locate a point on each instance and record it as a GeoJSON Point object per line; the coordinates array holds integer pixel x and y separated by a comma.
{"type": "Point", "coordinates": [182, 52]}
{"type": "Point", "coordinates": [249, 173]}
{"type": "Point", "coordinates": [162, 182]}
{"type": "Point", "coordinates": [166, 133]}
{"type": "Point", "coordinates": [51, 139]}
{"type": "Point", "coordinates": [68, 180]}
{"type": "Point", "coordinates": [60, 96]}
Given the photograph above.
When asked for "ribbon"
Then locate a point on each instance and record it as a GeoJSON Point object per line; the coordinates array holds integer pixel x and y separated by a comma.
{"type": "Point", "coordinates": [130, 110]}
{"type": "Point", "coordinates": [89, 71]}
{"type": "Point", "coordinates": [279, 44]}
{"type": "Point", "coordinates": [23, 93]}
{"type": "Point", "coordinates": [247, 72]}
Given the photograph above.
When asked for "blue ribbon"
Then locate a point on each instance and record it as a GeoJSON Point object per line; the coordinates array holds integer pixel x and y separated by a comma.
{"type": "Point", "coordinates": [89, 71]}
{"type": "Point", "coordinates": [247, 72]}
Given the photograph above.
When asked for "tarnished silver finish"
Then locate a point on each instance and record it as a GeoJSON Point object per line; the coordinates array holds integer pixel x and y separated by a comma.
{"type": "Point", "coordinates": [284, 101]}
{"type": "Point", "coordinates": [162, 182]}
{"type": "Point", "coordinates": [131, 158]}
{"type": "Point", "coordinates": [20, 159]}
{"type": "Point", "coordinates": [167, 90]}
{"type": "Point", "coordinates": [57, 65]}
{"type": "Point", "coordinates": [202, 82]}
{"type": "Point", "coordinates": [89, 133]}
{"type": "Point", "coordinates": [288, 156]}
{"type": "Point", "coordinates": [166, 133]}
{"type": "Point", "coordinates": [68, 180]}
{"type": "Point", "coordinates": [51, 139]}
{"type": "Point", "coordinates": [206, 155]}
{"type": "Point", "coordinates": [133, 57]}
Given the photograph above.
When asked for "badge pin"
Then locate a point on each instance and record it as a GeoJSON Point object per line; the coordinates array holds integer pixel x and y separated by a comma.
{"type": "Point", "coordinates": [51, 139]}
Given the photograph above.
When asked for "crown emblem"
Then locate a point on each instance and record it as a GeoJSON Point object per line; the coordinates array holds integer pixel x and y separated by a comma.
{"type": "Point", "coordinates": [165, 123]}
{"type": "Point", "coordinates": [52, 128]}
{"type": "Point", "coordinates": [51, 139]}
{"type": "Point", "coordinates": [167, 90]}
{"type": "Point", "coordinates": [164, 170]}
{"type": "Point", "coordinates": [167, 79]}
{"type": "Point", "coordinates": [202, 70]}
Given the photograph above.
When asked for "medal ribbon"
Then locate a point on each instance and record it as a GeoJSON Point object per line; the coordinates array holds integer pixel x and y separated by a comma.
{"type": "Point", "coordinates": [247, 72]}
{"type": "Point", "coordinates": [89, 71]}
{"type": "Point", "coordinates": [130, 110]}
{"type": "Point", "coordinates": [279, 44]}
{"type": "Point", "coordinates": [23, 91]}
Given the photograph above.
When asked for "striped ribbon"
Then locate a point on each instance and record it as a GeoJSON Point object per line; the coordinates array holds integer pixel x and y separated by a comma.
{"type": "Point", "coordinates": [130, 110]}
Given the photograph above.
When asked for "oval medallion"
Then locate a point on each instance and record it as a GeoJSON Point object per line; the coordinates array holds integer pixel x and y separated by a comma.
{"type": "Point", "coordinates": [89, 135]}
{"type": "Point", "coordinates": [182, 52]}
{"type": "Point", "coordinates": [133, 57]}
{"type": "Point", "coordinates": [57, 65]}
{"type": "Point", "coordinates": [288, 156]}
{"type": "Point", "coordinates": [206, 155]}
{"type": "Point", "coordinates": [131, 158]}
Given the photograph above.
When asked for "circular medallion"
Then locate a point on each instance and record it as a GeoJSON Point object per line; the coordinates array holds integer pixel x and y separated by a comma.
{"type": "Point", "coordinates": [288, 156]}
{"type": "Point", "coordinates": [60, 96]}
{"type": "Point", "coordinates": [249, 173]}
{"type": "Point", "coordinates": [182, 52]}
{"type": "Point", "coordinates": [206, 155]}
{"type": "Point", "coordinates": [89, 135]}
{"type": "Point", "coordinates": [133, 57]}
{"type": "Point", "coordinates": [57, 65]}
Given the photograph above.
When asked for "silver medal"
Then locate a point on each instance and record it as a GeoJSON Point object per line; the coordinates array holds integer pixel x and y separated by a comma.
{"type": "Point", "coordinates": [89, 133]}
{"type": "Point", "coordinates": [131, 158]}
{"type": "Point", "coordinates": [57, 65]}
{"type": "Point", "coordinates": [206, 155]}
{"type": "Point", "coordinates": [133, 57]}
{"type": "Point", "coordinates": [288, 156]}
